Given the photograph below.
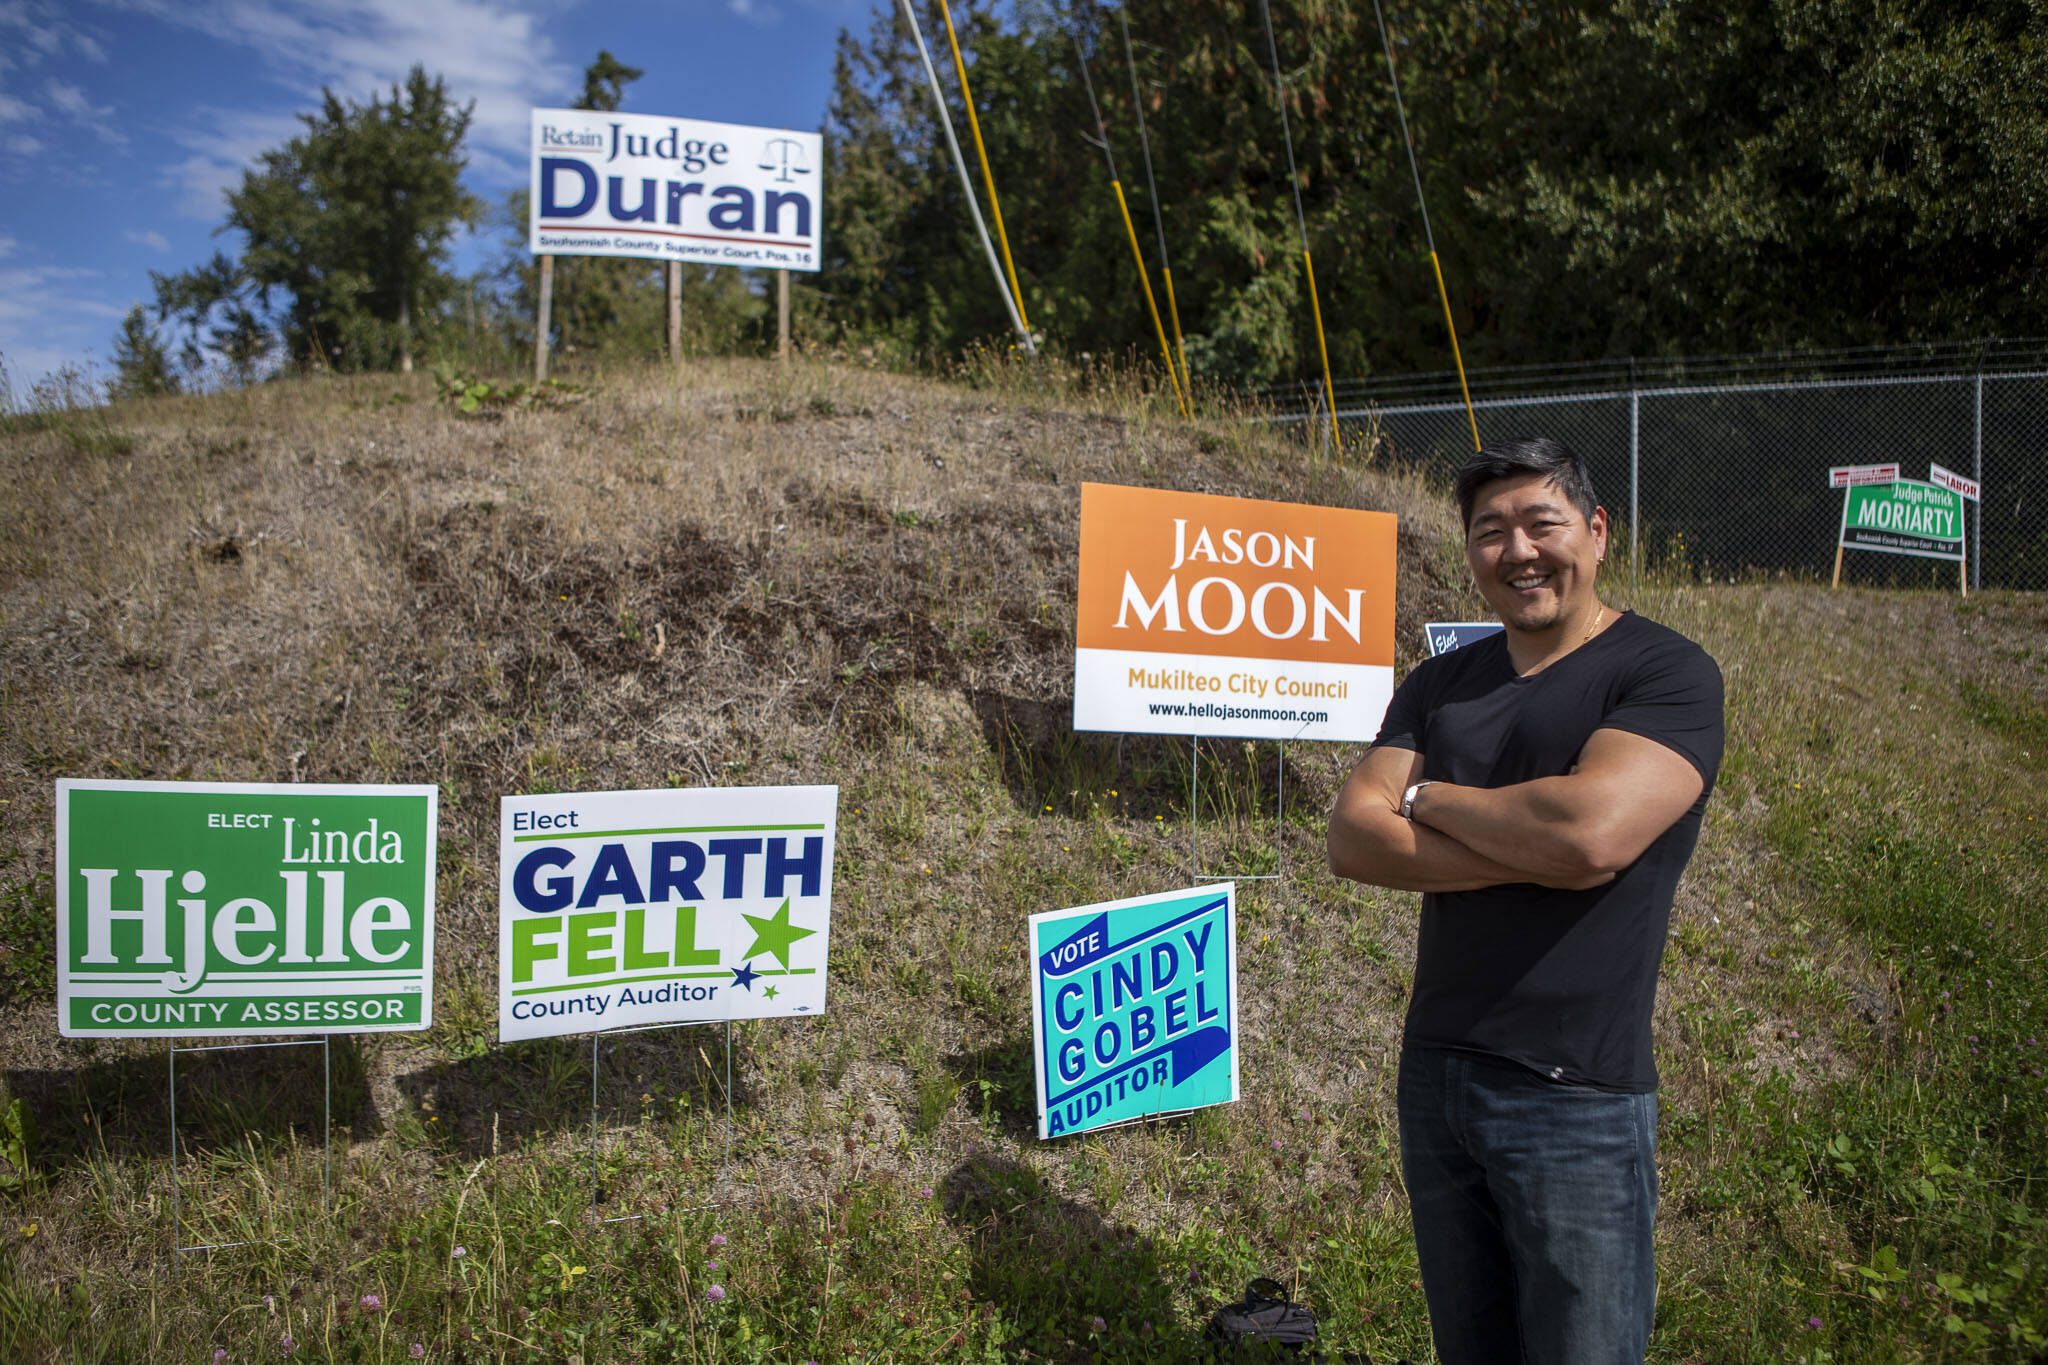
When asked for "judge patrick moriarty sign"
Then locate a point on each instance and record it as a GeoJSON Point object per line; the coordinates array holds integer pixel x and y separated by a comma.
{"type": "Point", "coordinates": [1134, 1008]}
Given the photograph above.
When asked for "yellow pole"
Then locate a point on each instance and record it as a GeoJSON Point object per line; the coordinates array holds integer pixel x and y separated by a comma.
{"type": "Point", "coordinates": [1444, 294]}
{"type": "Point", "coordinates": [987, 176]}
{"type": "Point", "coordinates": [1151, 306]}
{"type": "Point", "coordinates": [1329, 389]}
{"type": "Point", "coordinates": [1173, 310]}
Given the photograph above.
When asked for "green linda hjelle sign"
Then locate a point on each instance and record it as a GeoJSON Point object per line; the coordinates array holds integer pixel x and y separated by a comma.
{"type": "Point", "coordinates": [196, 908]}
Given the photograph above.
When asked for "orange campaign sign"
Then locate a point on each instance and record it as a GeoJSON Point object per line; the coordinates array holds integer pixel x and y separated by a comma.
{"type": "Point", "coordinates": [1207, 615]}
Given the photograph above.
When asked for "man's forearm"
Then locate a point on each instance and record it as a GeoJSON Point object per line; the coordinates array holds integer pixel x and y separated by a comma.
{"type": "Point", "coordinates": [1537, 824]}
{"type": "Point", "coordinates": [1382, 849]}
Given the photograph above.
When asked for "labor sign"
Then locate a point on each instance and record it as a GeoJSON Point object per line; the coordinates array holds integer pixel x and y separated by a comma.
{"type": "Point", "coordinates": [1903, 518]}
{"type": "Point", "coordinates": [1207, 615]}
{"type": "Point", "coordinates": [632, 908]}
{"type": "Point", "coordinates": [218, 909]}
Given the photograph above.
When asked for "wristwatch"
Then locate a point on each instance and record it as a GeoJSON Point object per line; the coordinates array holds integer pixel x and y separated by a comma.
{"type": "Point", "coordinates": [1408, 799]}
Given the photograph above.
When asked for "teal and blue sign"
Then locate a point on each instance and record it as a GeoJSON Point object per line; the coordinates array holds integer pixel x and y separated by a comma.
{"type": "Point", "coordinates": [1134, 1008]}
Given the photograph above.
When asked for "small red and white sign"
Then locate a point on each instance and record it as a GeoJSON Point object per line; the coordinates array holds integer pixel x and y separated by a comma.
{"type": "Point", "coordinates": [1954, 482]}
{"type": "Point", "coordinates": [1849, 475]}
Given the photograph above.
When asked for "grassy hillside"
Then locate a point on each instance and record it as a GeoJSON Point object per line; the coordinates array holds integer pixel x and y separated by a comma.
{"type": "Point", "coordinates": [815, 574]}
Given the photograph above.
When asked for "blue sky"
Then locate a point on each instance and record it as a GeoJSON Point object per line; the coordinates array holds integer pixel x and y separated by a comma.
{"type": "Point", "coordinates": [122, 122]}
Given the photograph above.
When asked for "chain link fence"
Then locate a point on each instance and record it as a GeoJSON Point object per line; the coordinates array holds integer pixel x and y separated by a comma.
{"type": "Point", "coordinates": [1719, 467]}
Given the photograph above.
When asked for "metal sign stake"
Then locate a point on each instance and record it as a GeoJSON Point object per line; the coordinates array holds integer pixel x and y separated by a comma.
{"type": "Point", "coordinates": [325, 1044]}
{"type": "Point", "coordinates": [596, 1038]}
{"type": "Point", "coordinates": [1195, 822]}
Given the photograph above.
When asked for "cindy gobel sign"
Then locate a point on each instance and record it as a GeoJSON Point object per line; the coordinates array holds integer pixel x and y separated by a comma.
{"type": "Point", "coordinates": [655, 907]}
{"type": "Point", "coordinates": [1205, 615]}
{"type": "Point", "coordinates": [1134, 1008]}
{"type": "Point", "coordinates": [217, 909]}
{"type": "Point", "coordinates": [605, 184]}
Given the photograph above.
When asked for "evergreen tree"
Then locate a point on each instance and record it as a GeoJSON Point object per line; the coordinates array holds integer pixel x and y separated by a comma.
{"type": "Point", "coordinates": [142, 364]}
{"type": "Point", "coordinates": [346, 229]}
{"type": "Point", "coordinates": [1634, 177]}
{"type": "Point", "coordinates": [605, 81]}
{"type": "Point", "coordinates": [221, 311]}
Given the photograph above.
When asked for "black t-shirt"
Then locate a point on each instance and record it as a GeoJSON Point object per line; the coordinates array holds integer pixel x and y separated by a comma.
{"type": "Point", "coordinates": [1561, 982]}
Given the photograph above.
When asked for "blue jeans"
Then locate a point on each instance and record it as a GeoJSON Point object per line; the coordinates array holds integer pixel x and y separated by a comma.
{"type": "Point", "coordinates": [1533, 1203]}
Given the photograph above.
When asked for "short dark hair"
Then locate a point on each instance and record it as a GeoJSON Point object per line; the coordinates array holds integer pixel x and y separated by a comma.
{"type": "Point", "coordinates": [1526, 455]}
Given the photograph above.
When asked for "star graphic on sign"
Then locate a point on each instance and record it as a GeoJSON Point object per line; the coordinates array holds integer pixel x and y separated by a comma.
{"type": "Point", "coordinates": [744, 974]}
{"type": "Point", "coordinates": [770, 992]}
{"type": "Point", "coordinates": [774, 933]}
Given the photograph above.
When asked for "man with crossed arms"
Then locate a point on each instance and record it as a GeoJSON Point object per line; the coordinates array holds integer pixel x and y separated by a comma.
{"type": "Point", "coordinates": [1543, 788]}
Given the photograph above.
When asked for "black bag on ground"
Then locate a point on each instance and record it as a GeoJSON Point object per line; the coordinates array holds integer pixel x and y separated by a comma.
{"type": "Point", "coordinates": [1266, 1321]}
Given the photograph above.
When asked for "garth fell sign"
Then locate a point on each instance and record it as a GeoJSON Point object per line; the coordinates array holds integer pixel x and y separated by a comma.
{"type": "Point", "coordinates": [1134, 1008]}
{"type": "Point", "coordinates": [1206, 615]}
{"type": "Point", "coordinates": [220, 909]}
{"type": "Point", "coordinates": [609, 184]}
{"type": "Point", "coordinates": [656, 907]}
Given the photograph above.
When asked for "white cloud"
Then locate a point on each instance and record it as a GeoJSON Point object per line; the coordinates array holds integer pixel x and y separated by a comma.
{"type": "Point", "coordinates": [70, 101]}
{"type": "Point", "coordinates": [754, 12]}
{"type": "Point", "coordinates": [50, 317]}
{"type": "Point", "coordinates": [38, 29]}
{"type": "Point", "coordinates": [13, 110]}
{"type": "Point", "coordinates": [150, 238]}
{"type": "Point", "coordinates": [7, 246]}
{"type": "Point", "coordinates": [41, 294]}
{"type": "Point", "coordinates": [492, 53]}
{"type": "Point", "coordinates": [223, 143]}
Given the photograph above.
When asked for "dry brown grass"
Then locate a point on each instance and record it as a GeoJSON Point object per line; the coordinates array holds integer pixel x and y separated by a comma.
{"type": "Point", "coordinates": [762, 574]}
{"type": "Point", "coordinates": [753, 573]}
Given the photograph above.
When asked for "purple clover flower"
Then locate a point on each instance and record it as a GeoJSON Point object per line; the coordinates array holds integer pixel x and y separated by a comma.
{"type": "Point", "coordinates": [716, 1293]}
{"type": "Point", "coordinates": [369, 1303]}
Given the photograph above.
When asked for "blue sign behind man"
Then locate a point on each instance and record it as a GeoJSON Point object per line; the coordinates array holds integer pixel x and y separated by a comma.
{"type": "Point", "coordinates": [1543, 788]}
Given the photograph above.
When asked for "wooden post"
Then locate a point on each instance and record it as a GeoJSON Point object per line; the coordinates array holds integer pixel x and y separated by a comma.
{"type": "Point", "coordinates": [1838, 566]}
{"type": "Point", "coordinates": [782, 315]}
{"type": "Point", "coordinates": [542, 321]}
{"type": "Point", "coordinates": [675, 312]}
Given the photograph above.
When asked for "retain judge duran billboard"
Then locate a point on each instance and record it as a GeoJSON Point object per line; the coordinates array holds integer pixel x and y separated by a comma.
{"type": "Point", "coordinates": [606, 184]}
{"type": "Point", "coordinates": [1205, 615]}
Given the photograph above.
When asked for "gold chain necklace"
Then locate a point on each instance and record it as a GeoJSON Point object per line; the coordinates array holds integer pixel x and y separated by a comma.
{"type": "Point", "coordinates": [1597, 617]}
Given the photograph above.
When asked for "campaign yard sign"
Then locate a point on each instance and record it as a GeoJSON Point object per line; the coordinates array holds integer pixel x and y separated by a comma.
{"type": "Point", "coordinates": [1903, 518]}
{"type": "Point", "coordinates": [1956, 483]}
{"type": "Point", "coordinates": [661, 907]}
{"type": "Point", "coordinates": [1134, 1008]}
{"type": "Point", "coordinates": [1207, 615]}
{"type": "Point", "coordinates": [216, 909]}
{"type": "Point", "coordinates": [1849, 475]}
{"type": "Point", "coordinates": [609, 184]}
{"type": "Point", "coordinates": [1444, 636]}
